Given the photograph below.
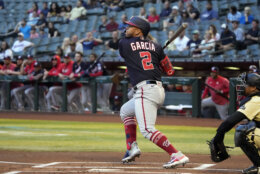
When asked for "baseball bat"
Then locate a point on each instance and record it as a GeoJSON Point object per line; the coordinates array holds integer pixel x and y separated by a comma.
{"type": "Point", "coordinates": [176, 34]}
{"type": "Point", "coordinates": [222, 95]}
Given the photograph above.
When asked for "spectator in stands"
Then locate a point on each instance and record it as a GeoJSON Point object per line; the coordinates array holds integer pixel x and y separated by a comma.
{"type": "Point", "coordinates": [68, 10]}
{"type": "Point", "coordinates": [113, 43]}
{"type": "Point", "coordinates": [153, 17]}
{"type": "Point", "coordinates": [171, 88]}
{"type": "Point", "coordinates": [72, 49]}
{"type": "Point", "coordinates": [5, 51]}
{"type": "Point", "coordinates": [21, 46]}
{"type": "Point", "coordinates": [218, 97]}
{"type": "Point", "coordinates": [34, 8]}
{"type": "Point", "coordinates": [246, 18]}
{"type": "Point", "coordinates": [45, 9]}
{"type": "Point", "coordinates": [59, 52]}
{"type": "Point", "coordinates": [185, 18]}
{"type": "Point", "coordinates": [193, 12]}
{"type": "Point", "coordinates": [65, 45]}
{"type": "Point", "coordinates": [142, 13]}
{"type": "Point", "coordinates": [115, 5]}
{"type": "Point", "coordinates": [24, 28]}
{"type": "Point", "coordinates": [252, 69]}
{"type": "Point", "coordinates": [181, 42]}
{"type": "Point", "coordinates": [79, 46]}
{"type": "Point", "coordinates": [210, 14]}
{"type": "Point", "coordinates": [208, 44]}
{"type": "Point", "coordinates": [181, 6]}
{"type": "Point", "coordinates": [33, 19]}
{"type": "Point", "coordinates": [166, 11]}
{"type": "Point", "coordinates": [78, 11]}
{"type": "Point", "coordinates": [53, 32]}
{"type": "Point", "coordinates": [54, 10]}
{"type": "Point", "coordinates": [102, 26]}
{"type": "Point", "coordinates": [123, 25]}
{"type": "Point", "coordinates": [63, 11]}
{"type": "Point", "coordinates": [233, 15]}
{"type": "Point", "coordinates": [194, 43]}
{"type": "Point", "coordinates": [34, 33]}
{"type": "Point", "coordinates": [92, 4]}
{"type": "Point", "coordinates": [239, 32]}
{"type": "Point", "coordinates": [42, 33]}
{"type": "Point", "coordinates": [112, 25]}
{"type": "Point", "coordinates": [227, 37]}
{"type": "Point", "coordinates": [116, 103]}
{"type": "Point", "coordinates": [41, 22]}
{"type": "Point", "coordinates": [89, 41]}
{"type": "Point", "coordinates": [171, 46]}
{"type": "Point", "coordinates": [2, 6]}
{"type": "Point", "coordinates": [252, 35]}
{"type": "Point", "coordinates": [54, 71]}
{"type": "Point", "coordinates": [173, 19]}
{"type": "Point", "coordinates": [213, 32]}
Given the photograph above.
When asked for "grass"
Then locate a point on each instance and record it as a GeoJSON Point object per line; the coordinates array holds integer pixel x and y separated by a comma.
{"type": "Point", "coordinates": [37, 135]}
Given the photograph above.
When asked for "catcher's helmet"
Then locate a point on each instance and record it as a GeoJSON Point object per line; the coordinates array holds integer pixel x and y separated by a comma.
{"type": "Point", "coordinates": [141, 23]}
{"type": "Point", "coordinates": [251, 79]}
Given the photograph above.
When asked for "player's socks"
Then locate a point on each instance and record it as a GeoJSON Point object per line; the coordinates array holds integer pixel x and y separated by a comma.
{"type": "Point", "coordinates": [130, 131]}
{"type": "Point", "coordinates": [161, 140]}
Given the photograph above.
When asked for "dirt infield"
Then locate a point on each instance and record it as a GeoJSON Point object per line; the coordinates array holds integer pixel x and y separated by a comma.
{"type": "Point", "coordinates": [12, 162]}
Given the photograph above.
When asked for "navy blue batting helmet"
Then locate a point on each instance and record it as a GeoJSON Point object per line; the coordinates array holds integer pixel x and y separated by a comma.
{"type": "Point", "coordinates": [141, 23]}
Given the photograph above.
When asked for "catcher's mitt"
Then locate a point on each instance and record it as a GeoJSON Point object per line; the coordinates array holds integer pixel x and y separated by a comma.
{"type": "Point", "coordinates": [218, 151]}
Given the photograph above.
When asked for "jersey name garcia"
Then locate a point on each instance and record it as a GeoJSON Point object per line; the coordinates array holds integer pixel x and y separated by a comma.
{"type": "Point", "coordinates": [142, 58]}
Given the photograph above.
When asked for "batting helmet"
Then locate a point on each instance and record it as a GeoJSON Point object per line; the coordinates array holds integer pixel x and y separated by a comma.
{"type": "Point", "coordinates": [140, 23]}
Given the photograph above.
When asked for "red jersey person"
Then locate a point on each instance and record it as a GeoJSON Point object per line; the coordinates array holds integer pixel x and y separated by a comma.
{"type": "Point", "coordinates": [8, 66]}
{"type": "Point", "coordinates": [53, 72]}
{"type": "Point", "coordinates": [218, 87]}
{"type": "Point", "coordinates": [27, 68]}
{"type": "Point", "coordinates": [36, 75]}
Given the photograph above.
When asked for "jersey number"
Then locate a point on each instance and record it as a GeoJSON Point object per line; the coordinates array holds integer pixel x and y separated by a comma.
{"type": "Point", "coordinates": [146, 60]}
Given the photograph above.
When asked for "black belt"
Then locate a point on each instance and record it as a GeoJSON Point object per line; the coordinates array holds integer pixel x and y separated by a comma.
{"type": "Point", "coordinates": [147, 82]}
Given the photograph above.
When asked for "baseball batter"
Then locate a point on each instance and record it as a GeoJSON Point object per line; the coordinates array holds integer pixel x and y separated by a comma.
{"type": "Point", "coordinates": [144, 59]}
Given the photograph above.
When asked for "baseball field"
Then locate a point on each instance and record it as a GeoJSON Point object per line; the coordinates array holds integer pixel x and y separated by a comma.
{"type": "Point", "coordinates": [65, 143]}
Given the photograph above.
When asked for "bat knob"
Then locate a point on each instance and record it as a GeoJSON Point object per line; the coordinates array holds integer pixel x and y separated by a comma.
{"type": "Point", "coordinates": [185, 25]}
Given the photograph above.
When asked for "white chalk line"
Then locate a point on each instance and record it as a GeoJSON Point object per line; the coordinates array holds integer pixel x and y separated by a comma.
{"type": "Point", "coordinates": [18, 163]}
{"type": "Point", "coordinates": [204, 167]}
{"type": "Point", "coordinates": [46, 165]}
{"type": "Point", "coordinates": [13, 172]}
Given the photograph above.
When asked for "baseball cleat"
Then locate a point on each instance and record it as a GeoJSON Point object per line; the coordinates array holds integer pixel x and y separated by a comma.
{"type": "Point", "coordinates": [176, 160]}
{"type": "Point", "coordinates": [251, 170]}
{"type": "Point", "coordinates": [131, 154]}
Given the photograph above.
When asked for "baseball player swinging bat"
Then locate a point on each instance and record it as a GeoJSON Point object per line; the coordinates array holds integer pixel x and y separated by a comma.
{"type": "Point", "coordinates": [176, 34]}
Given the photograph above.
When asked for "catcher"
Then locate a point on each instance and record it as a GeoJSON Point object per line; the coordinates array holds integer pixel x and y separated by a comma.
{"type": "Point", "coordinates": [247, 136]}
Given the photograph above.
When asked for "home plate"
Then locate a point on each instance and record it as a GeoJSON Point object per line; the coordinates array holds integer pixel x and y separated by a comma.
{"type": "Point", "coordinates": [105, 170]}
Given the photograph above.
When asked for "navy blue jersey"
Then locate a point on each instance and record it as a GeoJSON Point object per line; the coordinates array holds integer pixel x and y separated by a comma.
{"type": "Point", "coordinates": [142, 58]}
{"type": "Point", "coordinates": [78, 68]}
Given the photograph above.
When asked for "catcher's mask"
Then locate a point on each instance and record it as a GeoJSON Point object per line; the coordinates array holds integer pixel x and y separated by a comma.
{"type": "Point", "coordinates": [244, 80]}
